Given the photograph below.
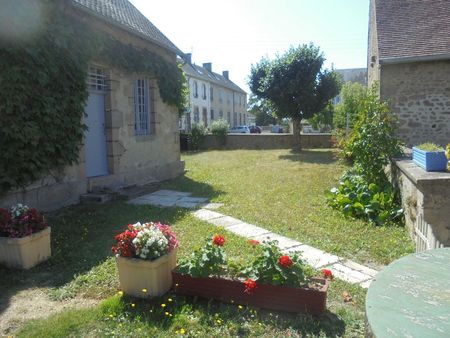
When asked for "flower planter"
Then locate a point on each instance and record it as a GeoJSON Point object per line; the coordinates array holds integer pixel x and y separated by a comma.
{"type": "Point", "coordinates": [430, 160]}
{"type": "Point", "coordinates": [25, 252]}
{"type": "Point", "coordinates": [137, 274]}
{"type": "Point", "coordinates": [306, 300]}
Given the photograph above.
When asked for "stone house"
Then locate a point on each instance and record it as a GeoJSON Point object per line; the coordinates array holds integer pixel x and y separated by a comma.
{"type": "Point", "coordinates": [212, 96]}
{"type": "Point", "coordinates": [409, 55]}
{"type": "Point", "coordinates": [358, 75]}
{"type": "Point", "coordinates": [133, 136]}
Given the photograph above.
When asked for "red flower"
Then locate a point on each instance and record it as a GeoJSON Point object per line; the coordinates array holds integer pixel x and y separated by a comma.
{"type": "Point", "coordinates": [219, 240]}
{"type": "Point", "coordinates": [250, 286]}
{"type": "Point", "coordinates": [285, 261]}
{"type": "Point", "coordinates": [253, 242]}
{"type": "Point", "coordinates": [124, 245]}
{"type": "Point", "coordinates": [327, 273]}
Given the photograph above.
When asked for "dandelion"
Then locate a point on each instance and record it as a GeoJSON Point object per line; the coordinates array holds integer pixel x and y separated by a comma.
{"type": "Point", "coordinates": [133, 305]}
{"type": "Point", "coordinates": [219, 321]}
{"type": "Point", "coordinates": [163, 305]}
{"type": "Point", "coordinates": [111, 316]}
{"type": "Point", "coordinates": [120, 293]}
{"type": "Point", "coordinates": [182, 331]}
{"type": "Point", "coordinates": [240, 307]}
{"type": "Point", "coordinates": [170, 300]}
{"type": "Point", "coordinates": [144, 290]}
{"type": "Point", "coordinates": [166, 313]}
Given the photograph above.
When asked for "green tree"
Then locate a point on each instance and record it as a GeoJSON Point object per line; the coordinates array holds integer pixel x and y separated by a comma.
{"type": "Point", "coordinates": [295, 84]}
{"type": "Point", "coordinates": [263, 111]}
{"type": "Point", "coordinates": [346, 112]}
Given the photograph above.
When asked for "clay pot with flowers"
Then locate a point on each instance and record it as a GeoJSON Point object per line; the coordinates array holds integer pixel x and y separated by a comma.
{"type": "Point", "coordinates": [272, 280]}
{"type": "Point", "coordinates": [145, 257]}
{"type": "Point", "coordinates": [24, 237]}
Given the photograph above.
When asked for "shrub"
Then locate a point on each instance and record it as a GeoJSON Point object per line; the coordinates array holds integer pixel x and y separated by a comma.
{"type": "Point", "coordinates": [198, 133]}
{"type": "Point", "coordinates": [219, 128]}
{"type": "Point", "coordinates": [428, 146]}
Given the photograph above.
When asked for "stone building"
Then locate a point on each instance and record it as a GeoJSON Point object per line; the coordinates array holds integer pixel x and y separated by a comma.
{"type": "Point", "coordinates": [409, 55]}
{"type": "Point", "coordinates": [212, 96]}
{"type": "Point", "coordinates": [133, 136]}
{"type": "Point", "coordinates": [358, 75]}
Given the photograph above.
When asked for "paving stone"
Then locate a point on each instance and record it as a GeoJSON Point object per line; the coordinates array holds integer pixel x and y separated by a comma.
{"type": "Point", "coordinates": [361, 268]}
{"type": "Point", "coordinates": [366, 284]}
{"type": "Point", "coordinates": [197, 200]}
{"type": "Point", "coordinates": [315, 257]}
{"type": "Point", "coordinates": [206, 215]}
{"type": "Point", "coordinates": [186, 205]}
{"type": "Point", "coordinates": [348, 274]}
{"type": "Point", "coordinates": [283, 242]}
{"type": "Point", "coordinates": [164, 192]}
{"type": "Point", "coordinates": [247, 230]}
{"type": "Point", "coordinates": [225, 221]}
{"type": "Point", "coordinates": [211, 206]}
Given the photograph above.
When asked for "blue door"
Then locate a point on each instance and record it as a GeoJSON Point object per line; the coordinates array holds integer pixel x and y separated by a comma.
{"type": "Point", "coordinates": [95, 136]}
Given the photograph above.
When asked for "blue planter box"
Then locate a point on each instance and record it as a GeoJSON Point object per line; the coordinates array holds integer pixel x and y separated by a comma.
{"type": "Point", "coordinates": [430, 160]}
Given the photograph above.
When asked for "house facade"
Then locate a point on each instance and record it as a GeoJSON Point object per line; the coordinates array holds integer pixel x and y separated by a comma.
{"type": "Point", "coordinates": [409, 56]}
{"type": "Point", "coordinates": [132, 135]}
{"type": "Point", "coordinates": [212, 96]}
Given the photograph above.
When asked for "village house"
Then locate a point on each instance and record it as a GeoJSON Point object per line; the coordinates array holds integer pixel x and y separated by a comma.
{"type": "Point", "coordinates": [409, 55]}
{"type": "Point", "coordinates": [212, 96]}
{"type": "Point", "coordinates": [132, 136]}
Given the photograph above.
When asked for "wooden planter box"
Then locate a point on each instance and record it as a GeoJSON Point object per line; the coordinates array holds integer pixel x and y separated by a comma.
{"type": "Point", "coordinates": [137, 274]}
{"type": "Point", "coordinates": [25, 252]}
{"type": "Point", "coordinates": [271, 297]}
{"type": "Point", "coordinates": [430, 160]}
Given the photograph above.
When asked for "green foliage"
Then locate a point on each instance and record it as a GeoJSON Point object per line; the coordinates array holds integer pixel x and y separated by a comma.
{"type": "Point", "coordinates": [356, 198]}
{"type": "Point", "coordinates": [210, 260]}
{"type": "Point", "coordinates": [219, 128]}
{"type": "Point", "coordinates": [352, 96]}
{"type": "Point", "coordinates": [372, 143]}
{"type": "Point", "coordinates": [198, 133]}
{"type": "Point", "coordinates": [428, 146]}
{"type": "Point", "coordinates": [265, 268]}
{"type": "Point", "coordinates": [263, 111]}
{"type": "Point", "coordinates": [295, 84]}
{"type": "Point", "coordinates": [323, 120]}
{"type": "Point", "coordinates": [43, 87]}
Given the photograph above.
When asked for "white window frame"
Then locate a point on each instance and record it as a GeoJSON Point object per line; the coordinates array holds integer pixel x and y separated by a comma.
{"type": "Point", "coordinates": [141, 107]}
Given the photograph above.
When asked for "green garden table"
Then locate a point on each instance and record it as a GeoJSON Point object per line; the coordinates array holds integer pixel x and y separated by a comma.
{"type": "Point", "coordinates": [411, 297]}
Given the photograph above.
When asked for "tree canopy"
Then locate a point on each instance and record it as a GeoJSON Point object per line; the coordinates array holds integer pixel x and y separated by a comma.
{"type": "Point", "coordinates": [295, 83]}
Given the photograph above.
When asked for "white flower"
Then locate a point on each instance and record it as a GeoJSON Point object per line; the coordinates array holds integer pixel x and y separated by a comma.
{"type": "Point", "coordinates": [150, 243]}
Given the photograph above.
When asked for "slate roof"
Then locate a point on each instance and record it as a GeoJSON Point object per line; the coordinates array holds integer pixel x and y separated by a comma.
{"type": "Point", "coordinates": [412, 28]}
{"type": "Point", "coordinates": [125, 15]}
{"type": "Point", "coordinates": [204, 74]}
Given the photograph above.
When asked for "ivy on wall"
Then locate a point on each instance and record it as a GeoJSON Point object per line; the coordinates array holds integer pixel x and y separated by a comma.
{"type": "Point", "coordinates": [43, 86]}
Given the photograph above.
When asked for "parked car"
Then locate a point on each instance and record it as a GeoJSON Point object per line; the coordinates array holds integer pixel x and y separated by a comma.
{"type": "Point", "coordinates": [255, 130]}
{"type": "Point", "coordinates": [239, 130]}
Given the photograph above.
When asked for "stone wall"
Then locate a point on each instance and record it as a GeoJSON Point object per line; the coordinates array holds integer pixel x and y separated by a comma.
{"type": "Point", "coordinates": [425, 200]}
{"type": "Point", "coordinates": [267, 141]}
{"type": "Point", "coordinates": [419, 93]}
{"type": "Point", "coordinates": [373, 66]}
{"type": "Point", "coordinates": [131, 159]}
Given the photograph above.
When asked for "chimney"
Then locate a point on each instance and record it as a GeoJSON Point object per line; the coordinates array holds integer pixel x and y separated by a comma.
{"type": "Point", "coordinates": [208, 66]}
{"type": "Point", "coordinates": [188, 57]}
{"type": "Point", "coordinates": [226, 74]}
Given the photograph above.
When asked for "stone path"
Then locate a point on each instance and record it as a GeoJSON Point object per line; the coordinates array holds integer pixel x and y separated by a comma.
{"type": "Point", "coordinates": [342, 268]}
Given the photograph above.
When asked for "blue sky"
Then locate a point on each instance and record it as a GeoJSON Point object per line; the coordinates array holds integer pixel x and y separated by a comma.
{"type": "Point", "coordinates": [235, 34]}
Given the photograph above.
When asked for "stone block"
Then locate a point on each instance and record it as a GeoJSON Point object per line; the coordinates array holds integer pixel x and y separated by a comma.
{"type": "Point", "coordinates": [225, 221]}
{"type": "Point", "coordinates": [283, 242]}
{"type": "Point", "coordinates": [206, 215]}
{"type": "Point", "coordinates": [348, 274]}
{"type": "Point", "coordinates": [314, 257]}
{"type": "Point", "coordinates": [247, 230]}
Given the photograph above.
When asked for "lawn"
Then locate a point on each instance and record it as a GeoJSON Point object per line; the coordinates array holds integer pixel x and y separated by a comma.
{"type": "Point", "coordinates": [273, 189]}
{"type": "Point", "coordinates": [284, 192]}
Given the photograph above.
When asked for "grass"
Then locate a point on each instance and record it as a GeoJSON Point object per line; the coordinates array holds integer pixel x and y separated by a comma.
{"type": "Point", "coordinates": [284, 192]}
{"type": "Point", "coordinates": [274, 189]}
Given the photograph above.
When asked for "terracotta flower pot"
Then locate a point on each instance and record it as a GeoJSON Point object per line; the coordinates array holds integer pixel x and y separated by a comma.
{"type": "Point", "coordinates": [155, 277]}
{"type": "Point", "coordinates": [305, 300]}
{"type": "Point", "coordinates": [25, 252]}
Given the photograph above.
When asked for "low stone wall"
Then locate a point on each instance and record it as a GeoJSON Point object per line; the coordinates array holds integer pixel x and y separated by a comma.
{"type": "Point", "coordinates": [426, 201]}
{"type": "Point", "coordinates": [267, 141]}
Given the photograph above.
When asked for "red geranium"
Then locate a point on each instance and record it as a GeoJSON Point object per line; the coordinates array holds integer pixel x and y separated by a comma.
{"type": "Point", "coordinates": [285, 261]}
{"type": "Point", "coordinates": [124, 245]}
{"type": "Point", "coordinates": [219, 240]}
{"type": "Point", "coordinates": [327, 273]}
{"type": "Point", "coordinates": [253, 242]}
{"type": "Point", "coordinates": [250, 286]}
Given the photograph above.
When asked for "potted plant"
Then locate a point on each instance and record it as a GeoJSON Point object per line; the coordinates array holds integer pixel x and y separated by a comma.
{"type": "Point", "coordinates": [272, 280]}
{"type": "Point", "coordinates": [430, 157]}
{"type": "Point", "coordinates": [145, 257]}
{"type": "Point", "coordinates": [24, 237]}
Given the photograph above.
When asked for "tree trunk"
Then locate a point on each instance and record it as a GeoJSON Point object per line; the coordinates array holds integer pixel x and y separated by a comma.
{"type": "Point", "coordinates": [297, 127]}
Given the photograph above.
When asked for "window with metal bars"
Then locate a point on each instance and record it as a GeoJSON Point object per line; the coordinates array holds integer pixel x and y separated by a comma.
{"type": "Point", "coordinates": [141, 107]}
{"type": "Point", "coordinates": [96, 79]}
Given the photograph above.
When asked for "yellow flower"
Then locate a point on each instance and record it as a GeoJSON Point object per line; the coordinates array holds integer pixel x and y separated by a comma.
{"type": "Point", "coordinates": [144, 290]}
{"type": "Point", "coordinates": [170, 300]}
{"type": "Point", "coordinates": [163, 305]}
{"type": "Point", "coordinates": [182, 331]}
{"type": "Point", "coordinates": [167, 313]}
{"type": "Point", "coordinates": [240, 307]}
{"type": "Point", "coordinates": [219, 321]}
{"type": "Point", "coordinates": [111, 316]}
{"type": "Point", "coordinates": [120, 293]}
